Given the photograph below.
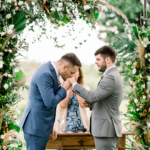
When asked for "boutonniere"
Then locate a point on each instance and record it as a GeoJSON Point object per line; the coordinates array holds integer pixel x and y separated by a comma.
{"type": "Point", "coordinates": [102, 77]}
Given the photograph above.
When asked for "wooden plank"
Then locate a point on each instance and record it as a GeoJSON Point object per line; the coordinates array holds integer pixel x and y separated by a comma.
{"type": "Point", "coordinates": [122, 142]}
{"type": "Point", "coordinates": [80, 141]}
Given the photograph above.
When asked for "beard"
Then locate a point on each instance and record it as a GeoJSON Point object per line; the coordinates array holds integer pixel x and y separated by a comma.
{"type": "Point", "coordinates": [103, 67]}
{"type": "Point", "coordinates": [64, 75]}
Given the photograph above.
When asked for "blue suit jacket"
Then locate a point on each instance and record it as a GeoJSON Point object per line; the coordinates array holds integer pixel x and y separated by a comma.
{"type": "Point", "coordinates": [44, 95]}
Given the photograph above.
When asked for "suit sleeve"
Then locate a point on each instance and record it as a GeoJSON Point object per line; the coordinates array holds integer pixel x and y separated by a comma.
{"type": "Point", "coordinates": [46, 88]}
{"type": "Point", "coordinates": [106, 88]}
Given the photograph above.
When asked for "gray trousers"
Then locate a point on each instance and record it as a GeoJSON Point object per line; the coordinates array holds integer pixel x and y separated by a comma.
{"type": "Point", "coordinates": [106, 143]}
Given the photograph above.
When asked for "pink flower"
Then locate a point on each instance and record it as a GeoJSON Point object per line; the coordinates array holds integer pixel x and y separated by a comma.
{"type": "Point", "coordinates": [15, 4]}
{"type": "Point", "coordinates": [4, 147]}
{"type": "Point", "coordinates": [16, 8]}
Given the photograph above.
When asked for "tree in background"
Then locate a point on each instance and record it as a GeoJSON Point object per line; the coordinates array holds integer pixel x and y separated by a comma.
{"type": "Point", "coordinates": [114, 23]}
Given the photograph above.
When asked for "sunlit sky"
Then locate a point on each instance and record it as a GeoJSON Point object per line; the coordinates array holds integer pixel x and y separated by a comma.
{"type": "Point", "coordinates": [46, 51]}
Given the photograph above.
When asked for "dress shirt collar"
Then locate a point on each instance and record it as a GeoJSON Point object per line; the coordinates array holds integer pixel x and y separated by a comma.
{"type": "Point", "coordinates": [56, 70]}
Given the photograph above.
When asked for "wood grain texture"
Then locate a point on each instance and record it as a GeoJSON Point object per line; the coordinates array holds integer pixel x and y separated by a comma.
{"type": "Point", "coordinates": [80, 141]}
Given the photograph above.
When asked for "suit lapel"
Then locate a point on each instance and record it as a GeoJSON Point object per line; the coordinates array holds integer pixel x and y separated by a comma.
{"type": "Point", "coordinates": [53, 74]}
{"type": "Point", "coordinates": [112, 69]}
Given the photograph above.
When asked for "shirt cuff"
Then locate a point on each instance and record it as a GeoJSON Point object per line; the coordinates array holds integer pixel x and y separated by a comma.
{"type": "Point", "coordinates": [74, 84]}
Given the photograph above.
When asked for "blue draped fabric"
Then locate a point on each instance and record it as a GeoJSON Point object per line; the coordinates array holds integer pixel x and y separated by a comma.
{"type": "Point", "coordinates": [73, 120]}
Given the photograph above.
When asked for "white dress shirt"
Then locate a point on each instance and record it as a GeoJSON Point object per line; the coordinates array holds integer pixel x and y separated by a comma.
{"type": "Point", "coordinates": [56, 70]}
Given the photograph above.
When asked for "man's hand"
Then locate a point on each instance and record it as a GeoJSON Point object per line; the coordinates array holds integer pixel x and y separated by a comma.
{"type": "Point", "coordinates": [72, 80]}
{"type": "Point", "coordinates": [53, 135]}
{"type": "Point", "coordinates": [66, 85]}
{"type": "Point", "coordinates": [86, 104]}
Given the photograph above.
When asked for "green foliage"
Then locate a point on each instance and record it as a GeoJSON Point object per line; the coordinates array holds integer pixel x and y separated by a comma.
{"type": "Point", "coordinates": [138, 77]}
{"type": "Point", "coordinates": [131, 8]}
{"type": "Point", "coordinates": [19, 75]}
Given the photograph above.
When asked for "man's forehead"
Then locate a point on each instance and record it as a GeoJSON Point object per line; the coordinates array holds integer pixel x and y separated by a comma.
{"type": "Point", "coordinates": [98, 56]}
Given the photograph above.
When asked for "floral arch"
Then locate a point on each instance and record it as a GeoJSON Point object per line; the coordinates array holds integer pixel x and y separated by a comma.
{"type": "Point", "coordinates": [15, 16]}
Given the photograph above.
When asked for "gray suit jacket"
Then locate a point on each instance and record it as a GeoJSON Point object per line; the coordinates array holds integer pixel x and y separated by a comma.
{"type": "Point", "coordinates": [106, 100]}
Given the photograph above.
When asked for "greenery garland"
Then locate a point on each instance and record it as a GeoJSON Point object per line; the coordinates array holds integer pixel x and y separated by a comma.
{"type": "Point", "coordinates": [134, 53]}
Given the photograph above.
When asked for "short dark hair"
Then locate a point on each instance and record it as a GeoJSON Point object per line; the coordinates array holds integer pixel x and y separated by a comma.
{"type": "Point", "coordinates": [72, 59]}
{"type": "Point", "coordinates": [107, 51]}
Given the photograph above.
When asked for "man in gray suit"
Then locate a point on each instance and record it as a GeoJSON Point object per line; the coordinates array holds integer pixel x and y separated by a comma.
{"type": "Point", "coordinates": [105, 101]}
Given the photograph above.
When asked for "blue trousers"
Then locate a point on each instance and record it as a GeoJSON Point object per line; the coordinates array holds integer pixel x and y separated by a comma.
{"type": "Point", "coordinates": [35, 142]}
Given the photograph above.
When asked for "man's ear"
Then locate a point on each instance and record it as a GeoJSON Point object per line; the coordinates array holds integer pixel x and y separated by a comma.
{"type": "Point", "coordinates": [64, 67]}
{"type": "Point", "coordinates": [108, 60]}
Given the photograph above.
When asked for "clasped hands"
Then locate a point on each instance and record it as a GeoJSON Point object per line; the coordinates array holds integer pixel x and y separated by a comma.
{"type": "Point", "coordinates": [68, 83]}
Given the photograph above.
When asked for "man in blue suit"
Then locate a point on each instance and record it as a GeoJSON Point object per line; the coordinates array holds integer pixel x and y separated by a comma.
{"type": "Point", "coordinates": [45, 92]}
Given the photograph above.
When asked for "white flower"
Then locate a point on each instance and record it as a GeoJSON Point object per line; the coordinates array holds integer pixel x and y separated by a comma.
{"type": "Point", "coordinates": [5, 74]}
{"type": "Point", "coordinates": [140, 76]}
{"type": "Point", "coordinates": [20, 3]}
{"type": "Point", "coordinates": [10, 51]}
{"type": "Point", "coordinates": [9, 31]}
{"type": "Point", "coordinates": [128, 62]}
{"type": "Point", "coordinates": [35, 7]}
{"type": "Point", "coordinates": [10, 76]}
{"type": "Point", "coordinates": [17, 111]}
{"type": "Point", "coordinates": [6, 86]}
{"type": "Point", "coordinates": [8, 16]}
{"type": "Point", "coordinates": [135, 101]}
{"type": "Point", "coordinates": [1, 54]}
{"type": "Point", "coordinates": [17, 46]}
{"type": "Point", "coordinates": [11, 27]}
{"type": "Point", "coordinates": [146, 56]}
{"type": "Point", "coordinates": [86, 7]}
{"type": "Point", "coordinates": [137, 109]}
{"type": "Point", "coordinates": [60, 4]}
{"type": "Point", "coordinates": [16, 70]}
{"type": "Point", "coordinates": [16, 122]}
{"type": "Point", "coordinates": [143, 86]}
{"type": "Point", "coordinates": [2, 136]}
{"type": "Point", "coordinates": [12, 64]}
{"type": "Point", "coordinates": [144, 97]}
{"type": "Point", "coordinates": [59, 9]}
{"type": "Point", "coordinates": [134, 71]}
{"type": "Point", "coordinates": [149, 60]}
{"type": "Point", "coordinates": [76, 14]}
{"type": "Point", "coordinates": [10, 138]}
{"type": "Point", "coordinates": [52, 9]}
{"type": "Point", "coordinates": [148, 125]}
{"type": "Point", "coordinates": [146, 42]}
{"type": "Point", "coordinates": [148, 78]}
{"type": "Point", "coordinates": [3, 33]}
{"type": "Point", "coordinates": [8, 1]}
{"type": "Point", "coordinates": [1, 64]}
{"type": "Point", "coordinates": [15, 116]}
